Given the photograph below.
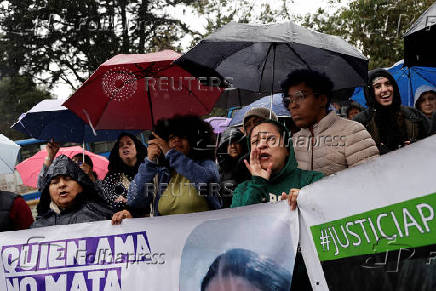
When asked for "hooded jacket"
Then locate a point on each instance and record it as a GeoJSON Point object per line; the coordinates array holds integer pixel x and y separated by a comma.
{"type": "Point", "coordinates": [88, 205]}
{"type": "Point", "coordinates": [230, 169]}
{"type": "Point", "coordinates": [258, 189]}
{"type": "Point", "coordinates": [421, 90]}
{"type": "Point", "coordinates": [391, 126]}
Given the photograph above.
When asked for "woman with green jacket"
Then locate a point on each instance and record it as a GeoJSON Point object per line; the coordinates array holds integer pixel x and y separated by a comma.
{"type": "Point", "coordinates": [273, 168]}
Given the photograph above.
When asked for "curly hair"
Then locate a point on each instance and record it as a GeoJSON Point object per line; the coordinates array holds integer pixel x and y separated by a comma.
{"type": "Point", "coordinates": [317, 81]}
{"type": "Point", "coordinates": [198, 133]}
{"type": "Point", "coordinates": [116, 164]}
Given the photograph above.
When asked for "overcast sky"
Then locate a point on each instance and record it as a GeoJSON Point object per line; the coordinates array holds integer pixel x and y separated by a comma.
{"type": "Point", "coordinates": [198, 22]}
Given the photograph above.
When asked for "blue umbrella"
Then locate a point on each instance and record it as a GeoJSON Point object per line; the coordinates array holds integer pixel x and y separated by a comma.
{"type": "Point", "coordinates": [277, 107]}
{"type": "Point", "coordinates": [49, 119]}
{"type": "Point", "coordinates": [408, 79]}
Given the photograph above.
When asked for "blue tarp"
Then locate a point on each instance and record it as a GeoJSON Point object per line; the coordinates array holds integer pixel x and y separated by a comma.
{"type": "Point", "coordinates": [408, 79]}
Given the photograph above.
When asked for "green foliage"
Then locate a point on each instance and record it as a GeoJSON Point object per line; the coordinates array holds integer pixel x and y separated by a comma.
{"type": "Point", "coordinates": [17, 95]}
{"type": "Point", "coordinates": [55, 40]}
{"type": "Point", "coordinates": [220, 12]}
{"type": "Point", "coordinates": [375, 27]}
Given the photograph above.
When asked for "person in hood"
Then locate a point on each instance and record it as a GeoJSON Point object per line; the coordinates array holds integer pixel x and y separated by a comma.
{"type": "Point", "coordinates": [425, 101]}
{"type": "Point", "coordinates": [275, 176]}
{"type": "Point", "coordinates": [124, 160]}
{"type": "Point", "coordinates": [74, 197]}
{"type": "Point", "coordinates": [179, 174]}
{"type": "Point", "coordinates": [273, 167]}
{"type": "Point", "coordinates": [231, 148]}
{"type": "Point", "coordinates": [390, 124]}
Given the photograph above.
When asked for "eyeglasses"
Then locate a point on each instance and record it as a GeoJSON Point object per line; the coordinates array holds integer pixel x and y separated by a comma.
{"type": "Point", "coordinates": [298, 97]}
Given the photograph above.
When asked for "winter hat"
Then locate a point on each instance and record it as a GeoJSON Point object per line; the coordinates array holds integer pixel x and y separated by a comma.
{"type": "Point", "coordinates": [261, 112]}
{"type": "Point", "coordinates": [421, 90]}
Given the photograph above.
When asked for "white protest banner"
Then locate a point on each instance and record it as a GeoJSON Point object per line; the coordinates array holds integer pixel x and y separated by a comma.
{"type": "Point", "coordinates": [373, 227]}
{"type": "Point", "coordinates": [178, 252]}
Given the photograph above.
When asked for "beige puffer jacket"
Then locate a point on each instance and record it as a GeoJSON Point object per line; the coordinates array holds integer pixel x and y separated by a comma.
{"type": "Point", "coordinates": [336, 144]}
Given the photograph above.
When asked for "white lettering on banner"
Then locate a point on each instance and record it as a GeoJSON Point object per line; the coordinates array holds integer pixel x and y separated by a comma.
{"type": "Point", "coordinates": [358, 228]}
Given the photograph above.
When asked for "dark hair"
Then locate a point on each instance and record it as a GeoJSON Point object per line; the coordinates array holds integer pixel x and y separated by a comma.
{"type": "Point", "coordinates": [198, 133]}
{"type": "Point", "coordinates": [116, 164]}
{"type": "Point", "coordinates": [318, 82]}
{"type": "Point", "coordinates": [353, 106]}
{"type": "Point", "coordinates": [261, 272]}
{"type": "Point", "coordinates": [87, 159]}
{"type": "Point", "coordinates": [284, 132]}
{"type": "Point", "coordinates": [369, 90]}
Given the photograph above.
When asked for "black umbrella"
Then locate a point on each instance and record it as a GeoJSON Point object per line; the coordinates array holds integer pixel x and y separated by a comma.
{"type": "Point", "coordinates": [235, 97]}
{"type": "Point", "coordinates": [420, 40]}
{"type": "Point", "coordinates": [258, 57]}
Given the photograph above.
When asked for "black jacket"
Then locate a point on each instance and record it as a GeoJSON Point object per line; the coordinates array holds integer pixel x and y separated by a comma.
{"type": "Point", "coordinates": [391, 126]}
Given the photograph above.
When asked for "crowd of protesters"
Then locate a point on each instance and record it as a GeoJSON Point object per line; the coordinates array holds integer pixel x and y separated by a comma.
{"type": "Point", "coordinates": [184, 169]}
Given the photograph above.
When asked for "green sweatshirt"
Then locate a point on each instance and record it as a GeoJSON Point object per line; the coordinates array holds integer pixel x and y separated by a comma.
{"type": "Point", "coordinates": [259, 190]}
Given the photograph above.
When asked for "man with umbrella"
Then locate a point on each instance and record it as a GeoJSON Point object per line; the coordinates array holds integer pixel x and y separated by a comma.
{"type": "Point", "coordinates": [326, 142]}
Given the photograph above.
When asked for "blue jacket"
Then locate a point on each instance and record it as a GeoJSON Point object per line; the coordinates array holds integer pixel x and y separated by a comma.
{"type": "Point", "coordinates": [201, 173]}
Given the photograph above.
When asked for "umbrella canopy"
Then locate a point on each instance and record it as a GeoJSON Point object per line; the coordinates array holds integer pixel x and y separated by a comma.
{"type": "Point", "coordinates": [277, 107]}
{"type": "Point", "coordinates": [420, 40]}
{"type": "Point", "coordinates": [49, 119]}
{"type": "Point", "coordinates": [134, 91]}
{"type": "Point", "coordinates": [8, 155]}
{"type": "Point", "coordinates": [29, 169]}
{"type": "Point", "coordinates": [408, 79]}
{"type": "Point", "coordinates": [258, 57]}
{"type": "Point", "coordinates": [235, 97]}
{"type": "Point", "coordinates": [219, 124]}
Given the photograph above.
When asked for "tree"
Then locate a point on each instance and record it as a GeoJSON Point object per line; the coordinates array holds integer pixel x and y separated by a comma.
{"type": "Point", "coordinates": [55, 40]}
{"type": "Point", "coordinates": [17, 95]}
{"type": "Point", "coordinates": [375, 27]}
{"type": "Point", "coordinates": [220, 12]}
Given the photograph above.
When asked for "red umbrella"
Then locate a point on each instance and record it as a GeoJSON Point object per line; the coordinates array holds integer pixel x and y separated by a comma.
{"type": "Point", "coordinates": [134, 91]}
{"type": "Point", "coordinates": [29, 168]}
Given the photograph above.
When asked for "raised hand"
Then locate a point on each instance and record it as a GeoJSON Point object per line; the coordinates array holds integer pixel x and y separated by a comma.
{"type": "Point", "coordinates": [255, 167]}
{"type": "Point", "coordinates": [52, 149]}
{"type": "Point", "coordinates": [160, 142]}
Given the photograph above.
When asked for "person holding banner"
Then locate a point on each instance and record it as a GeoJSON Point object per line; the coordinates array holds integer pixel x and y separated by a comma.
{"type": "Point", "coordinates": [74, 197]}
{"type": "Point", "coordinates": [273, 167]}
{"type": "Point", "coordinates": [275, 177]}
{"type": "Point", "coordinates": [181, 156]}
